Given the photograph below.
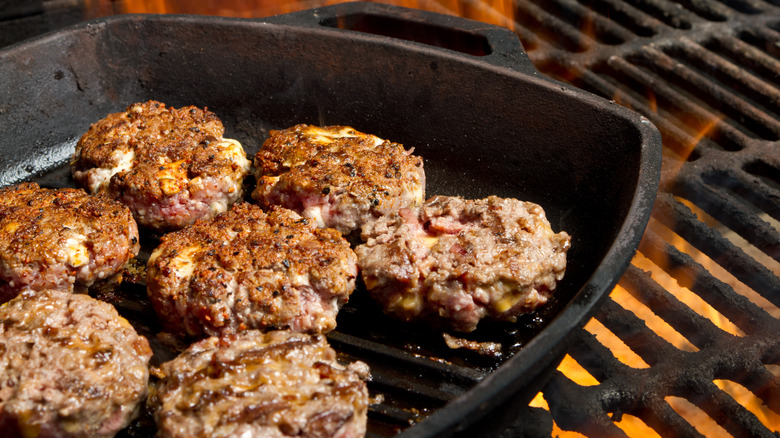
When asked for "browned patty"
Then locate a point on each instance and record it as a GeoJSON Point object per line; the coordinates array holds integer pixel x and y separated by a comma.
{"type": "Point", "coordinates": [255, 384]}
{"type": "Point", "coordinates": [247, 269]}
{"type": "Point", "coordinates": [170, 166]}
{"type": "Point", "coordinates": [455, 261]}
{"type": "Point", "coordinates": [58, 239]}
{"type": "Point", "coordinates": [70, 366]}
{"type": "Point", "coordinates": [336, 175]}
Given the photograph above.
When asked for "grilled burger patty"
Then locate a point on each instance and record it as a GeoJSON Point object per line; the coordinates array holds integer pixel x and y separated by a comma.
{"type": "Point", "coordinates": [70, 366]}
{"type": "Point", "coordinates": [250, 269]}
{"type": "Point", "coordinates": [61, 238]}
{"type": "Point", "coordinates": [170, 166]}
{"type": "Point", "coordinates": [336, 175]}
{"type": "Point", "coordinates": [455, 261]}
{"type": "Point", "coordinates": [275, 384]}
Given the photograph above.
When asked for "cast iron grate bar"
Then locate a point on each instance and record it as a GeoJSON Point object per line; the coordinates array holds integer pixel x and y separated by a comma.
{"type": "Point", "coordinates": [554, 31]}
{"type": "Point", "coordinates": [745, 186]}
{"type": "Point", "coordinates": [628, 15]}
{"type": "Point", "coordinates": [680, 374]}
{"type": "Point", "coordinates": [730, 75]}
{"type": "Point", "coordinates": [734, 214]}
{"type": "Point", "coordinates": [694, 67]}
{"type": "Point", "coordinates": [659, 10]}
{"type": "Point", "coordinates": [684, 222]}
{"type": "Point", "coordinates": [600, 27]}
{"type": "Point", "coordinates": [742, 312]}
{"type": "Point", "coordinates": [632, 330]}
{"type": "Point", "coordinates": [677, 96]}
{"type": "Point", "coordinates": [746, 52]}
{"type": "Point", "coordinates": [697, 329]}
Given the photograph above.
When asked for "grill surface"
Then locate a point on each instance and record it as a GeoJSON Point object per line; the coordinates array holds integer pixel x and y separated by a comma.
{"type": "Point", "coordinates": [706, 74]}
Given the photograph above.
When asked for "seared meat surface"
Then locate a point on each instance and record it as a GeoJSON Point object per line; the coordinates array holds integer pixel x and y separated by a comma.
{"type": "Point", "coordinates": [249, 269]}
{"type": "Point", "coordinates": [170, 166]}
{"type": "Point", "coordinates": [70, 366]}
{"type": "Point", "coordinates": [58, 239]}
{"type": "Point", "coordinates": [336, 175]}
{"type": "Point", "coordinates": [275, 384]}
{"type": "Point", "coordinates": [455, 261]}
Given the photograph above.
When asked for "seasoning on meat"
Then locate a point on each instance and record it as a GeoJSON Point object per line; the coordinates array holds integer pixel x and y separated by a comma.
{"type": "Point", "coordinates": [70, 366]}
{"type": "Point", "coordinates": [248, 269]}
{"type": "Point", "coordinates": [61, 239]}
{"type": "Point", "coordinates": [275, 384]}
{"type": "Point", "coordinates": [170, 166]}
{"type": "Point", "coordinates": [336, 175]}
{"type": "Point", "coordinates": [455, 261]}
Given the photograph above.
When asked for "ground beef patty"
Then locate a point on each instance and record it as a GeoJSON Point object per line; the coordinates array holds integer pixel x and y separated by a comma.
{"type": "Point", "coordinates": [336, 175]}
{"type": "Point", "coordinates": [274, 384]}
{"type": "Point", "coordinates": [61, 238]}
{"type": "Point", "coordinates": [250, 269]}
{"type": "Point", "coordinates": [170, 166]}
{"type": "Point", "coordinates": [70, 366]}
{"type": "Point", "coordinates": [455, 261]}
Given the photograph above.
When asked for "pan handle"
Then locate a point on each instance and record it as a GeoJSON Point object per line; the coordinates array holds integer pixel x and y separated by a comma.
{"type": "Point", "coordinates": [487, 42]}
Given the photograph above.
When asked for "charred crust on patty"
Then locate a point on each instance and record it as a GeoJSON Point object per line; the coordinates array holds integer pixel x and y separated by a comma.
{"type": "Point", "coordinates": [70, 367]}
{"type": "Point", "coordinates": [61, 239]}
{"type": "Point", "coordinates": [278, 383]}
{"type": "Point", "coordinates": [250, 269]}
{"type": "Point", "coordinates": [337, 175]}
{"type": "Point", "coordinates": [453, 261]}
{"type": "Point", "coordinates": [170, 166]}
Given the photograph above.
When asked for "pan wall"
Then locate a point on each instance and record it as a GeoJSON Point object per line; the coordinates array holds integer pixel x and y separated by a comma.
{"type": "Point", "coordinates": [481, 129]}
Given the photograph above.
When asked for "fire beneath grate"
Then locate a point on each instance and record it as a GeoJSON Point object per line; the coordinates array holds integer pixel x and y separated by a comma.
{"type": "Point", "coordinates": [687, 344]}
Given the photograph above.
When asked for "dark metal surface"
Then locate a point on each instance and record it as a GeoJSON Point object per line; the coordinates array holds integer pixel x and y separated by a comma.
{"type": "Point", "coordinates": [706, 73]}
{"type": "Point", "coordinates": [590, 163]}
{"type": "Point", "coordinates": [22, 19]}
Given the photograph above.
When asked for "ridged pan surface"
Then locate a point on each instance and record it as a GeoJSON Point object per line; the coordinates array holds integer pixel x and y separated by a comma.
{"type": "Point", "coordinates": [462, 94]}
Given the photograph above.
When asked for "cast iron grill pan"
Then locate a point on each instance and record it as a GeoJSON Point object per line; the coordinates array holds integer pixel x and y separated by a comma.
{"type": "Point", "coordinates": [462, 93]}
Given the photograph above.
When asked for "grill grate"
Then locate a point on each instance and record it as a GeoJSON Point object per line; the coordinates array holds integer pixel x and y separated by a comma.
{"type": "Point", "coordinates": [706, 73]}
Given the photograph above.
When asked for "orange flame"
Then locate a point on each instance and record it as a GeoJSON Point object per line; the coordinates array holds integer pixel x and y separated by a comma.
{"type": "Point", "coordinates": [499, 12]}
{"type": "Point", "coordinates": [633, 426]}
{"type": "Point", "coordinates": [666, 276]}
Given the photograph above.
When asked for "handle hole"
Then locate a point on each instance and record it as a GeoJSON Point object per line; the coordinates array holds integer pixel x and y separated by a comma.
{"type": "Point", "coordinates": [425, 33]}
